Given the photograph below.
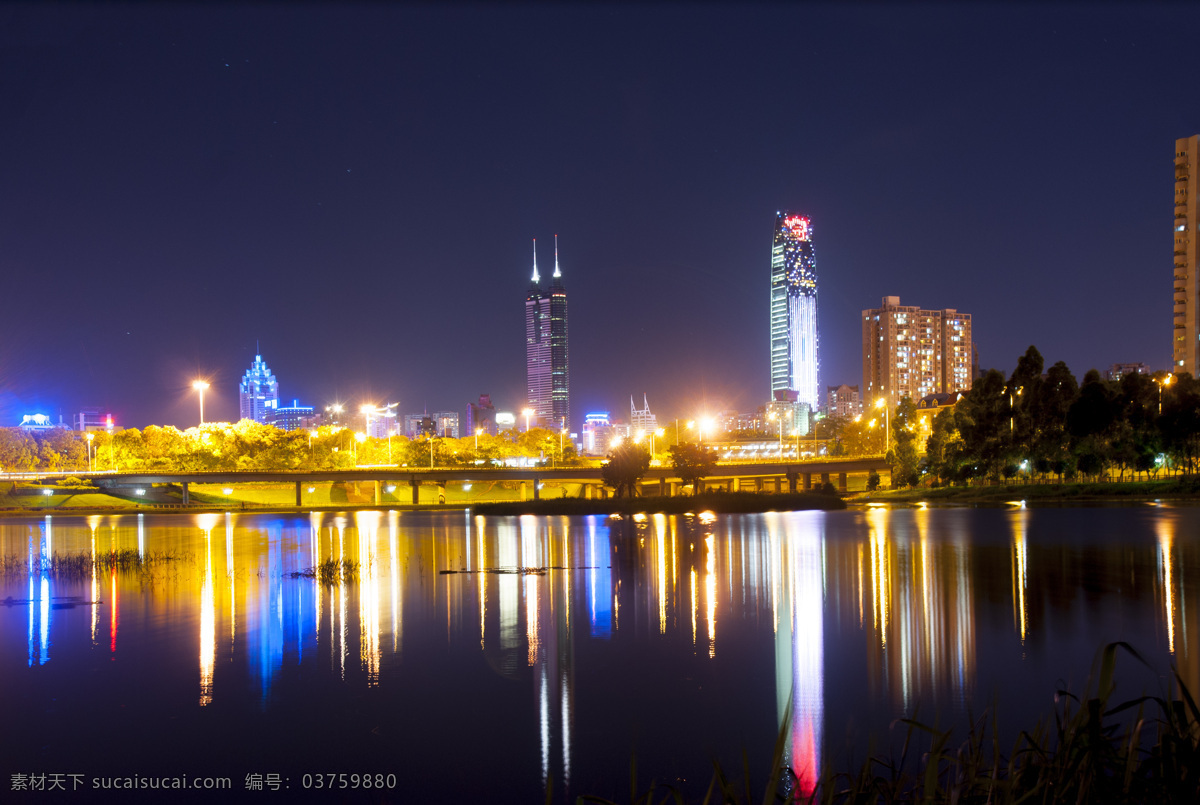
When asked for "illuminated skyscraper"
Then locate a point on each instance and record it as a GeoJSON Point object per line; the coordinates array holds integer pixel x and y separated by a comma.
{"type": "Point", "coordinates": [546, 366]}
{"type": "Point", "coordinates": [1186, 346]}
{"type": "Point", "coordinates": [794, 310]}
{"type": "Point", "coordinates": [259, 393]}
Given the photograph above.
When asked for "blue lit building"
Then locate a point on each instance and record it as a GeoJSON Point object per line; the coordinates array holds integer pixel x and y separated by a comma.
{"type": "Point", "coordinates": [294, 416]}
{"type": "Point", "coordinates": [259, 393]}
{"type": "Point", "coordinates": [794, 339]}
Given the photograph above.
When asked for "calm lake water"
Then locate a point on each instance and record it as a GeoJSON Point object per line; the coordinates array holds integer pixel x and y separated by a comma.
{"type": "Point", "coordinates": [681, 639]}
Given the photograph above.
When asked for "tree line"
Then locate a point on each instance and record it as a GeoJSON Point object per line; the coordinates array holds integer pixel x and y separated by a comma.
{"type": "Point", "coordinates": [1043, 425]}
{"type": "Point", "coordinates": [250, 445]}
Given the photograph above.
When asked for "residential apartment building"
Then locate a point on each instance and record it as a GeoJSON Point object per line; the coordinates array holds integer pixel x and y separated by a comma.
{"type": "Point", "coordinates": [910, 352]}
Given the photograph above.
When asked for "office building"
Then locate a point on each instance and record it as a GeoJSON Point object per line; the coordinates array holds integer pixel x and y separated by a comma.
{"type": "Point", "coordinates": [546, 363]}
{"type": "Point", "coordinates": [90, 419]}
{"type": "Point", "coordinates": [641, 419]}
{"type": "Point", "coordinates": [481, 416]}
{"type": "Point", "coordinates": [909, 352]}
{"type": "Point", "coordinates": [1119, 370]}
{"type": "Point", "coordinates": [447, 423]}
{"type": "Point", "coordinates": [258, 393]}
{"type": "Point", "coordinates": [843, 401]}
{"type": "Point", "coordinates": [1186, 347]}
{"type": "Point", "coordinates": [294, 416]}
{"type": "Point", "coordinates": [597, 433]}
{"type": "Point", "coordinates": [794, 338]}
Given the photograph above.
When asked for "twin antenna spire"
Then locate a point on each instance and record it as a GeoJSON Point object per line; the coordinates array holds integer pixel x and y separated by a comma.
{"type": "Point", "coordinates": [557, 273]}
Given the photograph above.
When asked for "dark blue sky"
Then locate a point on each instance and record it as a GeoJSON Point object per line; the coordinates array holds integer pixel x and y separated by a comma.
{"type": "Point", "coordinates": [355, 189]}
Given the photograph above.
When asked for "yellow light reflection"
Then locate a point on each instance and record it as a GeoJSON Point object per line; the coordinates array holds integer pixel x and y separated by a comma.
{"type": "Point", "coordinates": [660, 544]}
{"type": "Point", "coordinates": [1166, 544]}
{"type": "Point", "coordinates": [710, 586]}
{"type": "Point", "coordinates": [1020, 579]}
{"type": "Point", "coordinates": [367, 523]}
{"type": "Point", "coordinates": [208, 623]}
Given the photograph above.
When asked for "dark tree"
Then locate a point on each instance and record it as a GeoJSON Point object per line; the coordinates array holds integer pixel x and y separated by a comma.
{"type": "Point", "coordinates": [904, 457]}
{"type": "Point", "coordinates": [693, 462]}
{"type": "Point", "coordinates": [624, 467]}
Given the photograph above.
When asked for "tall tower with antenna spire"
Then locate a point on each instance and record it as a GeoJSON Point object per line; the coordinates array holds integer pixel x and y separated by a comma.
{"type": "Point", "coordinates": [546, 364]}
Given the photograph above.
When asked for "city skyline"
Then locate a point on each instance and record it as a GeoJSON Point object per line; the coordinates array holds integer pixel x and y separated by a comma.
{"type": "Point", "coordinates": [192, 179]}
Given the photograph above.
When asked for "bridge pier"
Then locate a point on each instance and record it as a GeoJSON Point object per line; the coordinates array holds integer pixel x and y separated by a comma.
{"type": "Point", "coordinates": [808, 482]}
{"type": "Point", "coordinates": [441, 492]}
{"type": "Point", "coordinates": [824, 479]}
{"type": "Point", "coordinates": [536, 484]}
{"type": "Point", "coordinates": [792, 478]}
{"type": "Point", "coordinates": [378, 492]}
{"type": "Point", "coordinates": [297, 493]}
{"type": "Point", "coordinates": [416, 491]}
{"type": "Point", "coordinates": [841, 482]}
{"type": "Point", "coordinates": [184, 486]}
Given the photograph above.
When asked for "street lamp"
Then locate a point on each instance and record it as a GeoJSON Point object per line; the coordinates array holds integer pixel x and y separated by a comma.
{"type": "Point", "coordinates": [528, 412]}
{"type": "Point", "coordinates": [366, 409]}
{"type": "Point", "coordinates": [89, 438]}
{"type": "Point", "coordinates": [1166, 381]}
{"type": "Point", "coordinates": [359, 438]}
{"type": "Point", "coordinates": [432, 446]}
{"type": "Point", "coordinates": [561, 434]}
{"type": "Point", "coordinates": [311, 435]}
{"type": "Point", "coordinates": [657, 433]}
{"type": "Point", "coordinates": [477, 432]}
{"type": "Point", "coordinates": [200, 386]}
{"type": "Point", "coordinates": [887, 434]}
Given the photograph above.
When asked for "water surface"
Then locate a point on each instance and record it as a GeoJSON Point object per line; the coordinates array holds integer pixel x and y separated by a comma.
{"type": "Point", "coordinates": [561, 645]}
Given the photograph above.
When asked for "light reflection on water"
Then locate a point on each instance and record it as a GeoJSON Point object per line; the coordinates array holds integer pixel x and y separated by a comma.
{"type": "Point", "coordinates": [866, 615]}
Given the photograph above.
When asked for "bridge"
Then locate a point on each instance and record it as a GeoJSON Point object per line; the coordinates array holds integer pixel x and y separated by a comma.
{"type": "Point", "coordinates": [752, 476]}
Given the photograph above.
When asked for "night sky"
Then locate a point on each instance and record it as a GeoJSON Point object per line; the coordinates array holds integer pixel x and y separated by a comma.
{"type": "Point", "coordinates": [354, 189]}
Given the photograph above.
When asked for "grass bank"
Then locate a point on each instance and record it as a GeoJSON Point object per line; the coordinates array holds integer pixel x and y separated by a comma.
{"type": "Point", "coordinates": [720, 502]}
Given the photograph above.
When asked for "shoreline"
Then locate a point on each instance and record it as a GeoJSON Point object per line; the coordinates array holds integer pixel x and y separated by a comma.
{"type": "Point", "coordinates": [1022, 495]}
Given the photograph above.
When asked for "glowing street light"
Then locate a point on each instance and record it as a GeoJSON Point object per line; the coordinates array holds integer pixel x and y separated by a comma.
{"type": "Point", "coordinates": [200, 386]}
{"type": "Point", "coordinates": [528, 412]}
{"type": "Point", "coordinates": [366, 409]}
{"type": "Point", "coordinates": [89, 438]}
{"type": "Point", "coordinates": [477, 432]}
{"type": "Point", "coordinates": [1166, 381]}
{"type": "Point", "coordinates": [659, 433]}
{"type": "Point", "coordinates": [359, 438]}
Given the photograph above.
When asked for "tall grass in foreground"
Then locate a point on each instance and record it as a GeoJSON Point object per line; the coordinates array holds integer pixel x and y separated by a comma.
{"type": "Point", "coordinates": [1090, 750]}
{"type": "Point", "coordinates": [82, 564]}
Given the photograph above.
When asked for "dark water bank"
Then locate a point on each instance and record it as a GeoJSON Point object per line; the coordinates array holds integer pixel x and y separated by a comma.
{"type": "Point", "coordinates": [1176, 488]}
{"type": "Point", "coordinates": [720, 502]}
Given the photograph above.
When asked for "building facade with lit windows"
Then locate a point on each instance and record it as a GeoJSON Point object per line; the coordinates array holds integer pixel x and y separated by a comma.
{"type": "Point", "coordinates": [294, 416]}
{"type": "Point", "coordinates": [1185, 354]}
{"type": "Point", "coordinates": [598, 432]}
{"type": "Point", "coordinates": [547, 373]}
{"type": "Point", "coordinates": [258, 393]}
{"type": "Point", "coordinates": [910, 352]}
{"type": "Point", "coordinates": [843, 401]}
{"type": "Point", "coordinates": [794, 334]}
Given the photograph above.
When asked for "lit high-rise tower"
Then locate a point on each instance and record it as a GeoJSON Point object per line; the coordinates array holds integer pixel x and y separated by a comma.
{"type": "Point", "coordinates": [259, 393]}
{"type": "Point", "coordinates": [1186, 346]}
{"type": "Point", "coordinates": [794, 310]}
{"type": "Point", "coordinates": [546, 365]}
